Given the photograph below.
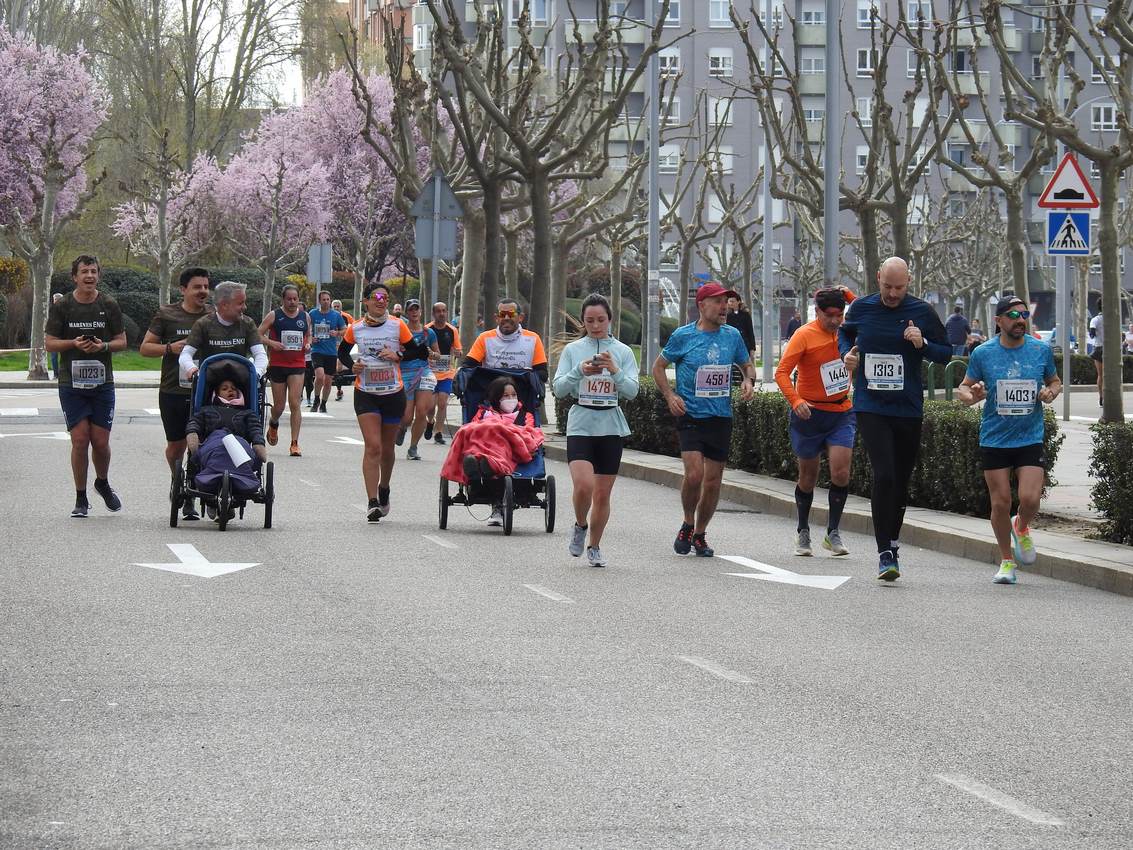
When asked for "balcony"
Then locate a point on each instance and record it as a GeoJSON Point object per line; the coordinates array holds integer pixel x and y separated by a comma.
{"type": "Point", "coordinates": [631, 32]}
{"type": "Point", "coordinates": [965, 35]}
{"type": "Point", "coordinates": [613, 79]}
{"type": "Point", "coordinates": [958, 182]}
{"type": "Point", "coordinates": [812, 35]}
{"type": "Point", "coordinates": [812, 83]}
{"type": "Point", "coordinates": [1013, 38]}
{"type": "Point", "coordinates": [966, 82]}
{"type": "Point", "coordinates": [815, 130]}
{"type": "Point", "coordinates": [1010, 134]}
{"type": "Point", "coordinates": [632, 128]}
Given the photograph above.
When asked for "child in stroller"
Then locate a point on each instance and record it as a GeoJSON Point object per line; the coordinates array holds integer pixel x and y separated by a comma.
{"type": "Point", "coordinates": [209, 425]}
{"type": "Point", "coordinates": [498, 437]}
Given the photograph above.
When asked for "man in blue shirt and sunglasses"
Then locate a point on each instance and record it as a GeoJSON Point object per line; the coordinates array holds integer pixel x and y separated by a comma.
{"type": "Point", "coordinates": [1014, 375]}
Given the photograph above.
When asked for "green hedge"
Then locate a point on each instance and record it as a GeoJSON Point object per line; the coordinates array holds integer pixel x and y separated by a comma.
{"type": "Point", "coordinates": [1111, 466]}
{"type": "Point", "coordinates": [947, 478]}
{"type": "Point", "coordinates": [630, 332]}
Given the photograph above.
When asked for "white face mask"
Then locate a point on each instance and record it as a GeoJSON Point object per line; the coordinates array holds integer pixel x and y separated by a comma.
{"type": "Point", "coordinates": [508, 405]}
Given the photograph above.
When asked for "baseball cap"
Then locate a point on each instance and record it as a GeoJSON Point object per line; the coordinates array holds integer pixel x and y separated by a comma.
{"type": "Point", "coordinates": [1008, 303]}
{"type": "Point", "coordinates": [412, 302]}
{"type": "Point", "coordinates": [712, 289]}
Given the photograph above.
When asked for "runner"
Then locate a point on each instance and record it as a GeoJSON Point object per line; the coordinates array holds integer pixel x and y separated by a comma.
{"type": "Point", "coordinates": [286, 332]}
{"type": "Point", "coordinates": [84, 328]}
{"type": "Point", "coordinates": [227, 330]}
{"type": "Point", "coordinates": [346, 317]}
{"type": "Point", "coordinates": [379, 395]}
{"type": "Point", "coordinates": [508, 346]}
{"type": "Point", "coordinates": [327, 328]}
{"type": "Point", "coordinates": [890, 333]}
{"type": "Point", "coordinates": [703, 353]}
{"type": "Point", "coordinates": [444, 367]}
{"type": "Point", "coordinates": [1012, 372]}
{"type": "Point", "coordinates": [597, 370]}
{"type": "Point", "coordinates": [1097, 335]}
{"type": "Point", "coordinates": [821, 415]}
{"type": "Point", "coordinates": [165, 339]}
{"type": "Point", "coordinates": [418, 377]}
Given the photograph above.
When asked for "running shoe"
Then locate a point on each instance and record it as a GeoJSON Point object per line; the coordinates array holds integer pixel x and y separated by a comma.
{"type": "Point", "coordinates": [295, 449]}
{"type": "Point", "coordinates": [683, 544]}
{"type": "Point", "coordinates": [314, 407]}
{"type": "Point", "coordinates": [273, 432]}
{"type": "Point", "coordinates": [887, 568]}
{"type": "Point", "coordinates": [471, 469]}
{"type": "Point", "coordinates": [1023, 545]}
{"type": "Point", "coordinates": [594, 557]}
{"type": "Point", "coordinates": [802, 542]}
{"type": "Point", "coordinates": [400, 436]}
{"type": "Point", "coordinates": [113, 503]}
{"type": "Point", "coordinates": [339, 396]}
{"type": "Point", "coordinates": [497, 517]}
{"type": "Point", "coordinates": [373, 511]}
{"type": "Point", "coordinates": [703, 550]}
{"type": "Point", "coordinates": [1006, 574]}
{"type": "Point", "coordinates": [577, 540]}
{"type": "Point", "coordinates": [413, 454]}
{"type": "Point", "coordinates": [439, 439]}
{"type": "Point", "coordinates": [383, 500]}
{"type": "Point", "coordinates": [833, 542]}
{"type": "Point", "coordinates": [188, 511]}
{"type": "Point", "coordinates": [428, 430]}
{"type": "Point", "coordinates": [80, 509]}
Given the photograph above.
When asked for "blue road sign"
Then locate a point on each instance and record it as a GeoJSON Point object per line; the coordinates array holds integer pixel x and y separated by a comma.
{"type": "Point", "coordinates": [1067, 233]}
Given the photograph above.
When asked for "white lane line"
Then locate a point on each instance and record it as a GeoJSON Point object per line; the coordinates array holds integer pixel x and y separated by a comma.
{"type": "Point", "coordinates": [550, 594]}
{"type": "Point", "coordinates": [444, 543]}
{"type": "Point", "coordinates": [152, 411]}
{"type": "Point", "coordinates": [20, 411]}
{"type": "Point", "coordinates": [998, 798]}
{"type": "Point", "coordinates": [715, 669]}
{"type": "Point", "coordinates": [310, 483]}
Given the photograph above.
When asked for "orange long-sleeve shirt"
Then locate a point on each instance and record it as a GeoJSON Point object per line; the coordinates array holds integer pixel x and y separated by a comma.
{"type": "Point", "coordinates": [809, 349]}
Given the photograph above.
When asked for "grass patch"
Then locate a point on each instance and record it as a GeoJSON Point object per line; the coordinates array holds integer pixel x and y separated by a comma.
{"type": "Point", "coordinates": [124, 361]}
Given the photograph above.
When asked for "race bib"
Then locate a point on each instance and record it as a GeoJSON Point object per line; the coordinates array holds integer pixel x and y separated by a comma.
{"type": "Point", "coordinates": [835, 377]}
{"type": "Point", "coordinates": [598, 391]}
{"type": "Point", "coordinates": [713, 380]}
{"type": "Point", "coordinates": [885, 372]}
{"type": "Point", "coordinates": [292, 340]}
{"type": "Point", "coordinates": [428, 381]}
{"type": "Point", "coordinates": [1015, 398]}
{"type": "Point", "coordinates": [322, 330]}
{"type": "Point", "coordinates": [87, 374]}
{"type": "Point", "coordinates": [440, 362]}
{"type": "Point", "coordinates": [381, 379]}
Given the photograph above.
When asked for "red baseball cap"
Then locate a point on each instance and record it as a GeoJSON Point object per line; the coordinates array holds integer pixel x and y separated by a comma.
{"type": "Point", "coordinates": [712, 289]}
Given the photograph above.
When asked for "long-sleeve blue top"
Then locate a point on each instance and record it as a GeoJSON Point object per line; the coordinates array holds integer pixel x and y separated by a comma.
{"type": "Point", "coordinates": [877, 329]}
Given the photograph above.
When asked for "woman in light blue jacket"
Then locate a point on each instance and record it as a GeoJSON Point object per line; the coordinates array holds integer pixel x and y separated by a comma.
{"type": "Point", "coordinates": [597, 370]}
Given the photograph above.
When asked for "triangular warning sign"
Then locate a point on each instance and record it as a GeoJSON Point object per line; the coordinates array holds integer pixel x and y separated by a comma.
{"type": "Point", "coordinates": [1068, 189]}
{"type": "Point", "coordinates": [1069, 237]}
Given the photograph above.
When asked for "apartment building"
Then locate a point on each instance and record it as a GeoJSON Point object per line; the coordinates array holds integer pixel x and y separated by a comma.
{"type": "Point", "coordinates": [374, 19]}
{"type": "Point", "coordinates": [707, 59]}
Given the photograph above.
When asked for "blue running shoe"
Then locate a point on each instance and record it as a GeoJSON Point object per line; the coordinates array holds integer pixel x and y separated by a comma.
{"type": "Point", "coordinates": [887, 567]}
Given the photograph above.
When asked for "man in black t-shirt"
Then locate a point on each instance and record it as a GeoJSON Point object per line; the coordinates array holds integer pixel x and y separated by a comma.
{"type": "Point", "coordinates": [84, 328]}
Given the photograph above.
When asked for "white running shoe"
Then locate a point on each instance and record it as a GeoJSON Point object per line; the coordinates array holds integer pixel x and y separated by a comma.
{"type": "Point", "coordinates": [594, 556]}
{"type": "Point", "coordinates": [577, 540]}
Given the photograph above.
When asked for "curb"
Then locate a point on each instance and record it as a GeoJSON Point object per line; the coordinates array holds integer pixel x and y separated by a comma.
{"type": "Point", "coordinates": [52, 385]}
{"type": "Point", "coordinates": [1061, 557]}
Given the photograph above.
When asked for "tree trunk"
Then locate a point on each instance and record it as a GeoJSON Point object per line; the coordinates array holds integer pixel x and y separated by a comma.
{"type": "Point", "coordinates": [511, 272]}
{"type": "Point", "coordinates": [473, 274]}
{"type": "Point", "coordinates": [1017, 244]}
{"type": "Point", "coordinates": [1080, 309]}
{"type": "Point", "coordinates": [492, 236]}
{"type": "Point", "coordinates": [686, 272]}
{"type": "Point", "coordinates": [749, 272]}
{"type": "Point", "coordinates": [164, 271]}
{"type": "Point", "coordinates": [556, 321]}
{"type": "Point", "coordinates": [867, 220]}
{"type": "Point", "coordinates": [1111, 295]}
{"type": "Point", "coordinates": [39, 267]}
{"type": "Point", "coordinates": [269, 290]}
{"type": "Point", "coordinates": [539, 313]}
{"type": "Point", "coordinates": [900, 220]}
{"type": "Point", "coordinates": [616, 288]}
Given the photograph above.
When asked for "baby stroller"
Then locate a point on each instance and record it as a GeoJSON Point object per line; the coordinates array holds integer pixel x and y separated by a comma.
{"type": "Point", "coordinates": [228, 498]}
{"type": "Point", "coordinates": [529, 486]}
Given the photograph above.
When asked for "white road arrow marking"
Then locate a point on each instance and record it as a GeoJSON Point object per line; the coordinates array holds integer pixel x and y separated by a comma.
{"type": "Point", "coordinates": [193, 563]}
{"type": "Point", "coordinates": [43, 435]}
{"type": "Point", "coordinates": [20, 411]}
{"type": "Point", "coordinates": [347, 441]}
{"type": "Point", "coordinates": [781, 576]}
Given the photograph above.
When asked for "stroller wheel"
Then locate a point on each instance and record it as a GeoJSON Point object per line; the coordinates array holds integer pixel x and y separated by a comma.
{"type": "Point", "coordinates": [224, 503]}
{"type": "Point", "coordinates": [176, 495]}
{"type": "Point", "coordinates": [442, 505]}
{"type": "Point", "coordinates": [549, 503]}
{"type": "Point", "coordinates": [269, 492]}
{"type": "Point", "coordinates": [508, 504]}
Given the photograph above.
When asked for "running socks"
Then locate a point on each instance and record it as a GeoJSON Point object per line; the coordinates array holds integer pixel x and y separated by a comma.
{"type": "Point", "coordinates": [803, 502]}
{"type": "Point", "coordinates": [837, 504]}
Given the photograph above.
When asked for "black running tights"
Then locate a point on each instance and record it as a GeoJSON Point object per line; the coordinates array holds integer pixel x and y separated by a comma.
{"type": "Point", "coordinates": [892, 443]}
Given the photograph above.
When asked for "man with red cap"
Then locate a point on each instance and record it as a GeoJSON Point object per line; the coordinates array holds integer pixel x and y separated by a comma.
{"type": "Point", "coordinates": [703, 352]}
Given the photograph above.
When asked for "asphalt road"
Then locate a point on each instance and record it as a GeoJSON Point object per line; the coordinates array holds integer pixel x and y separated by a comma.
{"type": "Point", "coordinates": [393, 685]}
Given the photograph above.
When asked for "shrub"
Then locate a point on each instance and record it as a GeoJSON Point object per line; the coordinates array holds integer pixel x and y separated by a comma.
{"type": "Point", "coordinates": [3, 318]}
{"type": "Point", "coordinates": [13, 275]}
{"type": "Point", "coordinates": [140, 307]}
{"type": "Point", "coordinates": [122, 279]}
{"type": "Point", "coordinates": [1082, 370]}
{"type": "Point", "coordinates": [947, 477]}
{"type": "Point", "coordinates": [1111, 465]}
{"type": "Point", "coordinates": [134, 333]}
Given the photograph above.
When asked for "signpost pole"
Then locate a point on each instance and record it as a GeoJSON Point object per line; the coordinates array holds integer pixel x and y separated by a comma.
{"type": "Point", "coordinates": [1061, 290]}
{"type": "Point", "coordinates": [436, 245]}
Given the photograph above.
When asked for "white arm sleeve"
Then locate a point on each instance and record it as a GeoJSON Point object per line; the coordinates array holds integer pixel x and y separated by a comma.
{"type": "Point", "coordinates": [185, 358]}
{"type": "Point", "coordinates": [260, 358]}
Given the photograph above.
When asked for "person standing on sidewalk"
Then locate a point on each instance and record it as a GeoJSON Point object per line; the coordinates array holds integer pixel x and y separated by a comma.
{"type": "Point", "coordinates": [957, 330]}
{"type": "Point", "coordinates": [1014, 376]}
{"type": "Point", "coordinates": [703, 352]}
{"type": "Point", "coordinates": [821, 415]}
{"type": "Point", "coordinates": [165, 339]}
{"type": "Point", "coordinates": [597, 370]}
{"type": "Point", "coordinates": [84, 328]}
{"type": "Point", "coordinates": [884, 340]}
{"type": "Point", "coordinates": [286, 331]}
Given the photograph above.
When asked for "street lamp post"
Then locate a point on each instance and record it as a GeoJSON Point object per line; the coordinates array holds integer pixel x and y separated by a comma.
{"type": "Point", "coordinates": [651, 312]}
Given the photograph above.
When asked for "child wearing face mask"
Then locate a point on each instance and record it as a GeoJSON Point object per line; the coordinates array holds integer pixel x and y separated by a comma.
{"type": "Point", "coordinates": [497, 439]}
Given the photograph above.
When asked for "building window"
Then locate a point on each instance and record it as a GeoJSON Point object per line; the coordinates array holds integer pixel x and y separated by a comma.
{"type": "Point", "coordinates": [961, 62]}
{"type": "Point", "coordinates": [1112, 66]}
{"type": "Point", "coordinates": [537, 9]}
{"type": "Point", "coordinates": [958, 154]}
{"type": "Point", "coordinates": [720, 62]}
{"type": "Point", "coordinates": [814, 17]}
{"type": "Point", "coordinates": [670, 259]}
{"type": "Point", "coordinates": [720, 111]}
{"type": "Point", "coordinates": [1104, 117]}
{"type": "Point", "coordinates": [865, 111]}
{"type": "Point", "coordinates": [812, 114]}
{"type": "Point", "coordinates": [618, 8]}
{"type": "Point", "coordinates": [957, 206]}
{"type": "Point", "coordinates": [669, 159]}
{"type": "Point", "coordinates": [671, 111]}
{"type": "Point", "coordinates": [919, 10]}
{"type": "Point", "coordinates": [420, 37]}
{"type": "Point", "coordinates": [670, 60]}
{"type": "Point", "coordinates": [867, 61]}
{"type": "Point", "coordinates": [674, 17]}
{"type": "Point", "coordinates": [1037, 72]}
{"type": "Point", "coordinates": [867, 12]}
{"type": "Point", "coordinates": [812, 65]}
{"type": "Point", "coordinates": [912, 63]}
{"type": "Point", "coordinates": [861, 159]}
{"type": "Point", "coordinates": [719, 13]}
{"type": "Point", "coordinates": [722, 159]}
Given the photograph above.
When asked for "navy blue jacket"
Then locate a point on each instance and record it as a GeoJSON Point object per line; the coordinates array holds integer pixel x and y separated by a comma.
{"type": "Point", "coordinates": [877, 329]}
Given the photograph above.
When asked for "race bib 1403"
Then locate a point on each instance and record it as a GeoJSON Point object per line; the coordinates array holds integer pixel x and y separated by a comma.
{"type": "Point", "coordinates": [1015, 398]}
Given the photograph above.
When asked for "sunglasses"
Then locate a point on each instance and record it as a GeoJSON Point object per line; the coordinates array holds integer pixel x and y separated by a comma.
{"type": "Point", "coordinates": [507, 314]}
{"type": "Point", "coordinates": [1018, 314]}
{"type": "Point", "coordinates": [379, 296]}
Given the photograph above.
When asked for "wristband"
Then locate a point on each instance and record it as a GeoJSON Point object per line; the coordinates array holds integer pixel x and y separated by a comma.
{"type": "Point", "coordinates": [105, 347]}
{"type": "Point", "coordinates": [168, 348]}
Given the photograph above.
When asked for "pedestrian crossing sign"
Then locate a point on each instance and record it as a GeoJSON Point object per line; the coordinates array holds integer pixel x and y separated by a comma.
{"type": "Point", "coordinates": [1067, 233]}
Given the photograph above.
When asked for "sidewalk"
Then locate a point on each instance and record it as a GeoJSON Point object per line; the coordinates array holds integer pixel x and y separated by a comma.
{"type": "Point", "coordinates": [122, 380]}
